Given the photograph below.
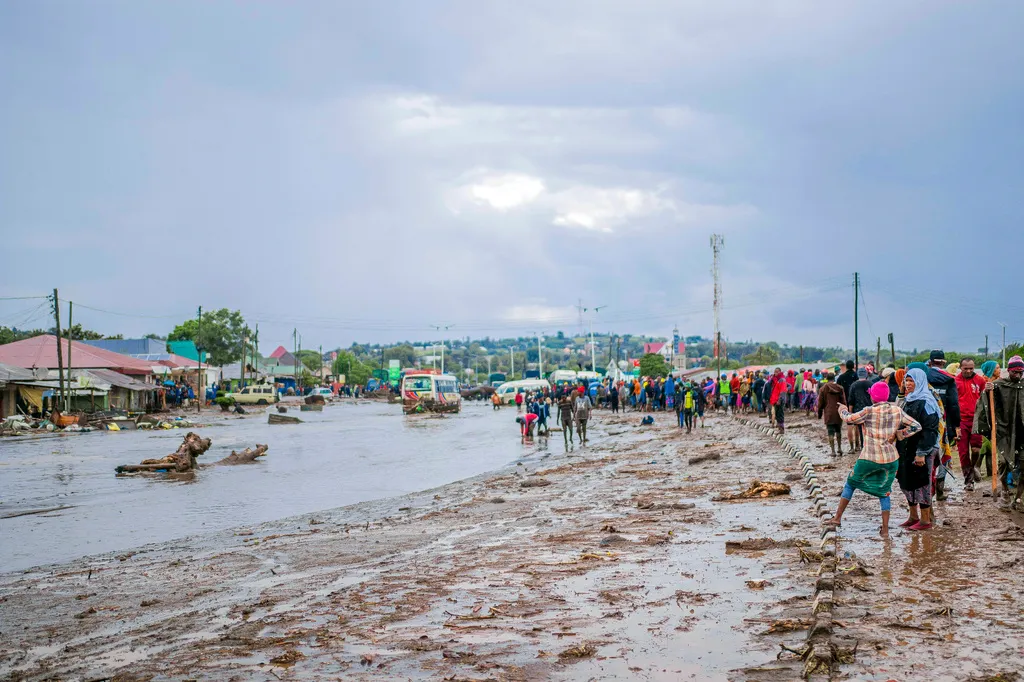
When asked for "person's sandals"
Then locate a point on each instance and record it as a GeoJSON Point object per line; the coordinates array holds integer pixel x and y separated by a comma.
{"type": "Point", "coordinates": [920, 526]}
{"type": "Point", "coordinates": [910, 522]}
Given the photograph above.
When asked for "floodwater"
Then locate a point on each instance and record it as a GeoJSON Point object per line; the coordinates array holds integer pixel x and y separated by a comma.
{"type": "Point", "coordinates": [346, 454]}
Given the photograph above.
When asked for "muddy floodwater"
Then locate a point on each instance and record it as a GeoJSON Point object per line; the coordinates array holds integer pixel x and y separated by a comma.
{"type": "Point", "coordinates": [348, 453]}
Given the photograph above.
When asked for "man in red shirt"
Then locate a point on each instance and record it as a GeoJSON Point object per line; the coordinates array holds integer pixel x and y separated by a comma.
{"type": "Point", "coordinates": [778, 398]}
{"type": "Point", "coordinates": [969, 388]}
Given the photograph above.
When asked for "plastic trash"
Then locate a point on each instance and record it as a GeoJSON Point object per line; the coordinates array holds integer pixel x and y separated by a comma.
{"type": "Point", "coordinates": [113, 427]}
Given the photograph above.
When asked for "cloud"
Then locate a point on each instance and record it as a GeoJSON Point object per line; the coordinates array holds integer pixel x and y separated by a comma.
{"type": "Point", "coordinates": [539, 313]}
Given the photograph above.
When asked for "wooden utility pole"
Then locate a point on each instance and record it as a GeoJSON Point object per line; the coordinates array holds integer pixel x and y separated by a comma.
{"type": "Point", "coordinates": [71, 339]}
{"type": "Point", "coordinates": [60, 350]}
{"type": "Point", "coordinates": [878, 354]}
{"type": "Point", "coordinates": [892, 349]}
{"type": "Point", "coordinates": [986, 347]}
{"type": "Point", "coordinates": [856, 319]}
{"type": "Point", "coordinates": [199, 354]}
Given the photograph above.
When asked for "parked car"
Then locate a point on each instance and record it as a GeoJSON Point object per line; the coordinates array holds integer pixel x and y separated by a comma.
{"type": "Point", "coordinates": [257, 394]}
{"type": "Point", "coordinates": [325, 392]}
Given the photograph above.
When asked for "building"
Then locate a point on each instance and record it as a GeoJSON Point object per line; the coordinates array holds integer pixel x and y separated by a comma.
{"type": "Point", "coordinates": [40, 352]}
{"type": "Point", "coordinates": [130, 346]}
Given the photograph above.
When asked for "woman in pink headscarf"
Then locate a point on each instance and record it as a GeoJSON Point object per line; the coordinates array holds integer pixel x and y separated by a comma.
{"type": "Point", "coordinates": [884, 423]}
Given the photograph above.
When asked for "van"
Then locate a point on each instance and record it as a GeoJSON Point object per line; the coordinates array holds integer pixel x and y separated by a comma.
{"type": "Point", "coordinates": [507, 391]}
{"type": "Point", "coordinates": [257, 394]}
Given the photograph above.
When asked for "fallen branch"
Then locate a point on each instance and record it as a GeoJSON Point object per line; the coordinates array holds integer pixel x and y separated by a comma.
{"type": "Point", "coordinates": [14, 515]}
{"type": "Point", "coordinates": [182, 460]}
{"type": "Point", "coordinates": [247, 456]}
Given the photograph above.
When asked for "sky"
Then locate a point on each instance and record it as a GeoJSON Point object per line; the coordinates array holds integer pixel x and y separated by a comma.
{"type": "Point", "coordinates": [374, 171]}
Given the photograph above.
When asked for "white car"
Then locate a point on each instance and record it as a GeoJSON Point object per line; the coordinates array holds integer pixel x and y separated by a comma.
{"type": "Point", "coordinates": [325, 392]}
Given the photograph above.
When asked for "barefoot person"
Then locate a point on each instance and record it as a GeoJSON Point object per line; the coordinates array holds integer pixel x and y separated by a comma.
{"type": "Point", "coordinates": [882, 424]}
{"type": "Point", "coordinates": [919, 450]}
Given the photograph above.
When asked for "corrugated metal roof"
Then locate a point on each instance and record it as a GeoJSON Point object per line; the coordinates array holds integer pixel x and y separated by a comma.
{"type": "Point", "coordinates": [41, 351]}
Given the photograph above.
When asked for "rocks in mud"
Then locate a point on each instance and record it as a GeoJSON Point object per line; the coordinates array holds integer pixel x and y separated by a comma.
{"type": "Point", "coordinates": [613, 539]}
{"type": "Point", "coordinates": [535, 483]}
{"type": "Point", "coordinates": [578, 651]}
{"type": "Point", "coordinates": [757, 489]}
{"type": "Point", "coordinates": [709, 457]}
{"type": "Point", "coordinates": [757, 544]}
{"type": "Point", "coordinates": [647, 503]}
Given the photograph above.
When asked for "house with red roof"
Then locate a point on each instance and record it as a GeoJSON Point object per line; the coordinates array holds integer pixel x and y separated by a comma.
{"type": "Point", "coordinates": [40, 352]}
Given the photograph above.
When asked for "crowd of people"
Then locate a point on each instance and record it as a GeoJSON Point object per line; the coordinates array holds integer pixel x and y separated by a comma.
{"type": "Point", "coordinates": [904, 425]}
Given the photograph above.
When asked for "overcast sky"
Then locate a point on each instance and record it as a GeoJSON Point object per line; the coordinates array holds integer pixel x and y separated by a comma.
{"type": "Point", "coordinates": [363, 170]}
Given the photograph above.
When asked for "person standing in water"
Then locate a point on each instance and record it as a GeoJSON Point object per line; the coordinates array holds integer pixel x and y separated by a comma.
{"type": "Point", "coordinates": [581, 411]}
{"type": "Point", "coordinates": [919, 451]}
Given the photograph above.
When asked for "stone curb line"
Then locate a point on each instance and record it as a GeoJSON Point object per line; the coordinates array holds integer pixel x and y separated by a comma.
{"type": "Point", "coordinates": [820, 661]}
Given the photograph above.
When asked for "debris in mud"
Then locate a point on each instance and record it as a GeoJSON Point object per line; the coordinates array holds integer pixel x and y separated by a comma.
{"type": "Point", "coordinates": [612, 540]}
{"type": "Point", "coordinates": [149, 602]}
{"type": "Point", "coordinates": [497, 500]}
{"type": "Point", "coordinates": [784, 625]}
{"type": "Point", "coordinates": [997, 677]}
{"type": "Point", "coordinates": [85, 614]}
{"type": "Point", "coordinates": [367, 659]}
{"type": "Point", "coordinates": [756, 490]}
{"type": "Point", "coordinates": [15, 515]}
{"type": "Point", "coordinates": [759, 584]}
{"type": "Point", "coordinates": [857, 568]}
{"type": "Point", "coordinates": [693, 597]}
{"type": "Point", "coordinates": [282, 419]}
{"type": "Point", "coordinates": [182, 460]}
{"type": "Point", "coordinates": [535, 483]}
{"type": "Point", "coordinates": [757, 544]}
{"type": "Point", "coordinates": [608, 528]}
{"type": "Point", "coordinates": [808, 555]}
{"type": "Point", "coordinates": [710, 457]}
{"type": "Point", "coordinates": [578, 651]}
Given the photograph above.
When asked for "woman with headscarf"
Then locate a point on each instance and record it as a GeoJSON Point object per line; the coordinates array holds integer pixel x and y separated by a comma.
{"type": "Point", "coordinates": [918, 452]}
{"type": "Point", "coordinates": [883, 424]}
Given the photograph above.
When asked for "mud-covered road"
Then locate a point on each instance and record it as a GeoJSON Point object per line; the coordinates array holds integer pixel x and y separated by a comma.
{"type": "Point", "coordinates": [607, 562]}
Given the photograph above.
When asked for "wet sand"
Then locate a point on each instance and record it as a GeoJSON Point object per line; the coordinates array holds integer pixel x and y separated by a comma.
{"type": "Point", "coordinates": [606, 562]}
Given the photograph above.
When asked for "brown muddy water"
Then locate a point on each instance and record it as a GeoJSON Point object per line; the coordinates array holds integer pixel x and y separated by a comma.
{"type": "Point", "coordinates": [348, 453]}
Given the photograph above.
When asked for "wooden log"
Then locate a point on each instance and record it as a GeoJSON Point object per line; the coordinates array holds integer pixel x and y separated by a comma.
{"type": "Point", "coordinates": [247, 456]}
{"type": "Point", "coordinates": [282, 419]}
{"type": "Point", "coordinates": [183, 459]}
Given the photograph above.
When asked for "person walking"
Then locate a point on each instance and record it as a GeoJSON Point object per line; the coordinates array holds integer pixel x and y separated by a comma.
{"type": "Point", "coordinates": [613, 398]}
{"type": "Point", "coordinates": [969, 388]}
{"type": "Point", "coordinates": [780, 393]}
{"type": "Point", "coordinates": [1008, 399]}
{"type": "Point", "coordinates": [565, 418]}
{"type": "Point", "coordinates": [883, 423]}
{"type": "Point", "coordinates": [830, 397]}
{"type": "Point", "coordinates": [519, 400]}
{"type": "Point", "coordinates": [945, 387]}
{"type": "Point", "coordinates": [581, 411]}
{"type": "Point", "coordinates": [919, 450]}
{"type": "Point", "coordinates": [691, 396]}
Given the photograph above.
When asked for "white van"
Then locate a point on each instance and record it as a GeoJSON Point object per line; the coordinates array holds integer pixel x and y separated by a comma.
{"type": "Point", "coordinates": [562, 376]}
{"type": "Point", "coordinates": [257, 394]}
{"type": "Point", "coordinates": [507, 391]}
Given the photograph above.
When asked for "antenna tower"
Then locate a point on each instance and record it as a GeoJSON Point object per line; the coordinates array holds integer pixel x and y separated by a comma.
{"type": "Point", "coordinates": [717, 242]}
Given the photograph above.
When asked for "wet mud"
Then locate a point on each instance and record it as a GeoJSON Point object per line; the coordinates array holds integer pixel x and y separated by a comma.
{"type": "Point", "coordinates": [618, 560]}
{"type": "Point", "coordinates": [942, 604]}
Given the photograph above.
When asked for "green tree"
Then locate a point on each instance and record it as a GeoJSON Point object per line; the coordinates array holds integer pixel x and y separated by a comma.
{"type": "Point", "coordinates": [356, 373]}
{"type": "Point", "coordinates": [654, 365]}
{"type": "Point", "coordinates": [404, 353]}
{"type": "Point", "coordinates": [76, 333]}
{"type": "Point", "coordinates": [220, 336]}
{"type": "Point", "coordinates": [9, 335]}
{"type": "Point", "coordinates": [311, 359]}
{"type": "Point", "coordinates": [155, 336]}
{"type": "Point", "coordinates": [765, 355]}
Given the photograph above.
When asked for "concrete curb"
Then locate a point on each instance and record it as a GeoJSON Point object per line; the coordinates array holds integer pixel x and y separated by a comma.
{"type": "Point", "coordinates": [820, 660]}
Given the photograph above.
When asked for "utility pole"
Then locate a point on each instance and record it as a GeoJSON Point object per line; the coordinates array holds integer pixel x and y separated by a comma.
{"type": "Point", "coordinates": [878, 354]}
{"type": "Point", "coordinates": [60, 350]}
{"type": "Point", "coordinates": [717, 242]}
{"type": "Point", "coordinates": [442, 328]}
{"type": "Point", "coordinates": [1004, 344]}
{"type": "Point", "coordinates": [801, 353]}
{"type": "Point", "coordinates": [199, 352]}
{"type": "Point", "coordinates": [892, 348]}
{"type": "Point", "coordinates": [512, 360]}
{"type": "Point", "coordinates": [255, 351]}
{"type": "Point", "coordinates": [71, 338]}
{"type": "Point", "coordinates": [295, 347]}
{"type": "Point", "coordinates": [540, 356]}
{"type": "Point", "coordinates": [321, 363]}
{"type": "Point", "coordinates": [856, 319]}
{"type": "Point", "coordinates": [986, 347]}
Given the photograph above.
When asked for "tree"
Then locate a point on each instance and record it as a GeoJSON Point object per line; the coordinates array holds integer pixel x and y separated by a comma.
{"type": "Point", "coordinates": [155, 336]}
{"type": "Point", "coordinates": [404, 353]}
{"type": "Point", "coordinates": [654, 365]}
{"type": "Point", "coordinates": [311, 359]}
{"type": "Point", "coordinates": [356, 373]}
{"type": "Point", "coordinates": [765, 355]}
{"type": "Point", "coordinates": [10, 335]}
{"type": "Point", "coordinates": [221, 335]}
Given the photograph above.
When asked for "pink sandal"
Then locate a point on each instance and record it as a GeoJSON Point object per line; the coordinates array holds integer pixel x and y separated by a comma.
{"type": "Point", "coordinates": [921, 526]}
{"type": "Point", "coordinates": [909, 522]}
